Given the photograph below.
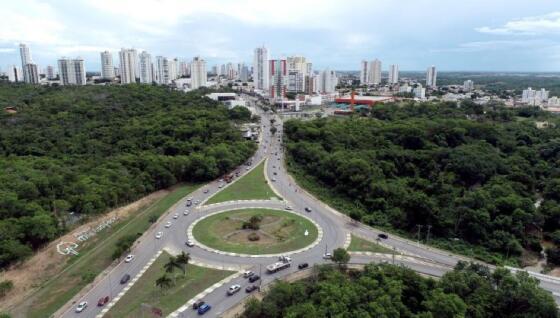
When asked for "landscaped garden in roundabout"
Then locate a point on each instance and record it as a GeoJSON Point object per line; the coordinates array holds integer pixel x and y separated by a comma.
{"type": "Point", "coordinates": [255, 231]}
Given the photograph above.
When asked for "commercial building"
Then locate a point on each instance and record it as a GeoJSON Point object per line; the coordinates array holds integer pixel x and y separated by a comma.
{"type": "Point", "coordinates": [146, 70]}
{"type": "Point", "coordinates": [128, 65]}
{"type": "Point", "coordinates": [107, 68]}
{"type": "Point", "coordinates": [364, 72]}
{"type": "Point", "coordinates": [374, 76]}
{"type": "Point", "coordinates": [278, 78]}
{"type": "Point", "coordinates": [393, 74]}
{"type": "Point", "coordinates": [198, 73]}
{"type": "Point", "coordinates": [72, 71]}
{"type": "Point", "coordinates": [260, 69]}
{"type": "Point", "coordinates": [431, 77]}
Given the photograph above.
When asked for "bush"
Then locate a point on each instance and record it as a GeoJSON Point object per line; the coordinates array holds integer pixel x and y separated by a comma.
{"type": "Point", "coordinates": [124, 244]}
{"type": "Point", "coordinates": [553, 256]}
{"type": "Point", "coordinates": [5, 287]}
{"type": "Point", "coordinates": [253, 237]}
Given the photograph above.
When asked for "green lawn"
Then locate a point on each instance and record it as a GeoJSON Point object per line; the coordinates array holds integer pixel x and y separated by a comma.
{"type": "Point", "coordinates": [285, 233]}
{"type": "Point", "coordinates": [145, 291]}
{"type": "Point", "coordinates": [358, 244]}
{"type": "Point", "coordinates": [251, 186]}
{"type": "Point", "coordinates": [96, 256]}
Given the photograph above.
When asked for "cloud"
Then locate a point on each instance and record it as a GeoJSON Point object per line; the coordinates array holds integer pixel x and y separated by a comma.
{"type": "Point", "coordinates": [496, 45]}
{"type": "Point", "coordinates": [7, 50]}
{"type": "Point", "coordinates": [548, 23]}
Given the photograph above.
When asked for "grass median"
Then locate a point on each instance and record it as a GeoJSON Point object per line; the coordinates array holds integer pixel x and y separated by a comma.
{"type": "Point", "coordinates": [145, 295]}
{"type": "Point", "coordinates": [96, 256]}
{"type": "Point", "coordinates": [252, 186]}
{"type": "Point", "coordinates": [358, 244]}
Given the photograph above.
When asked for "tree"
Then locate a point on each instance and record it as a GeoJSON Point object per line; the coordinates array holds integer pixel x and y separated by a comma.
{"type": "Point", "coordinates": [442, 305]}
{"type": "Point", "coordinates": [5, 287]}
{"type": "Point", "coordinates": [273, 130]}
{"type": "Point", "coordinates": [183, 259]}
{"type": "Point", "coordinates": [172, 264]}
{"type": "Point", "coordinates": [340, 256]}
{"type": "Point", "coordinates": [164, 282]}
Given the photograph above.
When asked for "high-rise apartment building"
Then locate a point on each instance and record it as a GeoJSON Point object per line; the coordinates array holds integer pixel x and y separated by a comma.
{"type": "Point", "coordinates": [260, 69]}
{"type": "Point", "coordinates": [364, 79]}
{"type": "Point", "coordinates": [296, 81]}
{"type": "Point", "coordinates": [72, 71]}
{"type": "Point", "coordinates": [15, 74]}
{"type": "Point", "coordinates": [374, 76]}
{"type": "Point", "coordinates": [128, 65]}
{"type": "Point", "coordinates": [393, 74]}
{"type": "Point", "coordinates": [468, 85]}
{"type": "Point", "coordinates": [32, 73]}
{"type": "Point", "coordinates": [107, 68]}
{"type": "Point", "coordinates": [145, 61]}
{"type": "Point", "coordinates": [327, 82]}
{"type": "Point", "coordinates": [277, 78]}
{"type": "Point", "coordinates": [25, 56]}
{"type": "Point", "coordinates": [198, 73]}
{"type": "Point", "coordinates": [298, 68]}
{"type": "Point", "coordinates": [162, 70]}
{"type": "Point", "coordinates": [50, 72]}
{"type": "Point", "coordinates": [431, 77]}
{"type": "Point", "coordinates": [244, 73]}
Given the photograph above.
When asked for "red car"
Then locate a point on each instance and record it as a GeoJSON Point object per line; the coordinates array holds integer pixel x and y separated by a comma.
{"type": "Point", "coordinates": [102, 301]}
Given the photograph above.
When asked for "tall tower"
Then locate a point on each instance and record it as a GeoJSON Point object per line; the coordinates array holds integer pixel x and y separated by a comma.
{"type": "Point", "coordinates": [162, 70]}
{"type": "Point", "coordinates": [375, 72]}
{"type": "Point", "coordinates": [128, 65]}
{"type": "Point", "coordinates": [364, 78]}
{"type": "Point", "coordinates": [431, 76]}
{"type": "Point", "coordinates": [393, 74]}
{"type": "Point", "coordinates": [72, 71]}
{"type": "Point", "coordinates": [278, 78]}
{"type": "Point", "coordinates": [107, 69]}
{"type": "Point", "coordinates": [25, 55]}
{"type": "Point", "coordinates": [145, 60]}
{"type": "Point", "coordinates": [198, 73]}
{"type": "Point", "coordinates": [260, 68]}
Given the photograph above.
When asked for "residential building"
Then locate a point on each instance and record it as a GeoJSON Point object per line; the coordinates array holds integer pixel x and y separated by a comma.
{"type": "Point", "coordinates": [25, 56]}
{"type": "Point", "coordinates": [364, 72]}
{"type": "Point", "coordinates": [431, 77]}
{"type": "Point", "coordinates": [277, 78]}
{"type": "Point", "coordinates": [393, 74]}
{"type": "Point", "coordinates": [327, 82]}
{"type": "Point", "coordinates": [50, 72]}
{"type": "Point", "coordinates": [296, 81]}
{"type": "Point", "coordinates": [310, 84]}
{"type": "Point", "coordinates": [419, 92]}
{"type": "Point", "coordinates": [32, 73]}
{"type": "Point", "coordinates": [553, 102]}
{"type": "Point", "coordinates": [162, 70]}
{"type": "Point", "coordinates": [374, 76]}
{"type": "Point", "coordinates": [198, 73]}
{"type": "Point", "coordinates": [244, 74]}
{"type": "Point", "coordinates": [183, 69]}
{"type": "Point", "coordinates": [468, 86]}
{"type": "Point", "coordinates": [128, 65]}
{"type": "Point", "coordinates": [15, 74]}
{"type": "Point", "coordinates": [260, 69]}
{"type": "Point", "coordinates": [107, 68]}
{"type": "Point", "coordinates": [146, 71]}
{"type": "Point", "coordinates": [533, 97]}
{"type": "Point", "coordinates": [71, 71]}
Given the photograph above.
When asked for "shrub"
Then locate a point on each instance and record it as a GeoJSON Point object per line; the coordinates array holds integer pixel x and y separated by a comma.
{"type": "Point", "coordinates": [253, 237]}
{"type": "Point", "coordinates": [5, 287]}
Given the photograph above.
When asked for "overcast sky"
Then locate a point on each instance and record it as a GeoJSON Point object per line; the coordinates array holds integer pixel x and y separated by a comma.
{"type": "Point", "coordinates": [476, 35]}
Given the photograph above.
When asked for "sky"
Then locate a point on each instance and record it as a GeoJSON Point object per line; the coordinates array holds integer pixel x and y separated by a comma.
{"type": "Point", "coordinates": [467, 35]}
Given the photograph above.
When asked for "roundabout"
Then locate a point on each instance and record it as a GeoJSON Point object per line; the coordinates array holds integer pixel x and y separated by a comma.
{"type": "Point", "coordinates": [255, 232]}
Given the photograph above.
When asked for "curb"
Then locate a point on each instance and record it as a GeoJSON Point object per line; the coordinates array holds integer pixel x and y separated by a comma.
{"type": "Point", "coordinates": [204, 247]}
{"type": "Point", "coordinates": [399, 257]}
{"type": "Point", "coordinates": [348, 240]}
{"type": "Point", "coordinates": [206, 207]}
{"type": "Point", "coordinates": [269, 183]}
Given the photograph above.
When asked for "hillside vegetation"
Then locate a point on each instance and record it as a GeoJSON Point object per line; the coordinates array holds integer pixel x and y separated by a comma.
{"type": "Point", "coordinates": [88, 149]}
{"type": "Point", "coordinates": [479, 178]}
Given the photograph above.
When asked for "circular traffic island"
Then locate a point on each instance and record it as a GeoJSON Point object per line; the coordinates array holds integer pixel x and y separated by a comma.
{"type": "Point", "coordinates": [255, 231]}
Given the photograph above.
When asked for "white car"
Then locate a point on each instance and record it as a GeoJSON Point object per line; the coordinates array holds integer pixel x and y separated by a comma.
{"type": "Point", "coordinates": [206, 190]}
{"type": "Point", "coordinates": [273, 179]}
{"type": "Point", "coordinates": [247, 274]}
{"type": "Point", "coordinates": [221, 186]}
{"type": "Point", "coordinates": [129, 258]}
{"type": "Point", "coordinates": [248, 168]}
{"type": "Point", "coordinates": [159, 235]}
{"type": "Point", "coordinates": [327, 256]}
{"type": "Point", "coordinates": [168, 224]}
{"type": "Point", "coordinates": [81, 306]}
{"type": "Point", "coordinates": [186, 212]}
{"type": "Point", "coordinates": [175, 216]}
{"type": "Point", "coordinates": [233, 289]}
{"type": "Point", "coordinates": [189, 243]}
{"type": "Point", "coordinates": [289, 208]}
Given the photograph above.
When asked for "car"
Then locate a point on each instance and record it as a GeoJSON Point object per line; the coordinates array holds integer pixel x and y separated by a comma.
{"type": "Point", "coordinates": [233, 289]}
{"type": "Point", "coordinates": [175, 216]}
{"type": "Point", "coordinates": [307, 209]}
{"type": "Point", "coordinates": [273, 167]}
{"type": "Point", "coordinates": [168, 224]}
{"type": "Point", "coordinates": [285, 259]}
{"type": "Point", "coordinates": [189, 243]}
{"type": "Point", "coordinates": [383, 236]}
{"type": "Point", "coordinates": [186, 212]}
{"type": "Point", "coordinates": [189, 203]}
{"type": "Point", "coordinates": [81, 306]}
{"type": "Point", "coordinates": [197, 304]}
{"type": "Point", "coordinates": [274, 173]}
{"type": "Point", "coordinates": [102, 301]}
{"type": "Point", "coordinates": [254, 278]}
{"type": "Point", "coordinates": [221, 180]}
{"type": "Point", "coordinates": [221, 186]}
{"type": "Point", "coordinates": [125, 279]}
{"type": "Point", "coordinates": [203, 309]}
{"type": "Point", "coordinates": [129, 258]}
{"type": "Point", "coordinates": [303, 265]}
{"type": "Point", "coordinates": [327, 256]}
{"type": "Point", "coordinates": [251, 288]}
{"type": "Point", "coordinates": [248, 168]}
{"type": "Point", "coordinates": [248, 274]}
{"type": "Point", "coordinates": [196, 202]}
{"type": "Point", "coordinates": [273, 179]}
{"type": "Point", "coordinates": [289, 208]}
{"type": "Point", "coordinates": [206, 190]}
{"type": "Point", "coordinates": [159, 235]}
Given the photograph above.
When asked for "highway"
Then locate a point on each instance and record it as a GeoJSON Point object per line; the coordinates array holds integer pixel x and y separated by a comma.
{"type": "Point", "coordinates": [335, 226]}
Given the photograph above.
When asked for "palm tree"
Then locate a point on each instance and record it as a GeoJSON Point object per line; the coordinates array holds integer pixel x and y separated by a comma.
{"type": "Point", "coordinates": [164, 282]}
{"type": "Point", "coordinates": [171, 264]}
{"type": "Point", "coordinates": [183, 259]}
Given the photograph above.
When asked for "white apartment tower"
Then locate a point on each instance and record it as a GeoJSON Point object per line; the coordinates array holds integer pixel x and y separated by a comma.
{"type": "Point", "coordinates": [32, 73]}
{"type": "Point", "coordinates": [393, 74]}
{"type": "Point", "coordinates": [375, 72]}
{"type": "Point", "coordinates": [260, 68]}
{"type": "Point", "coordinates": [128, 65]}
{"type": "Point", "coordinates": [327, 82]}
{"type": "Point", "coordinates": [107, 68]}
{"type": "Point", "coordinates": [431, 76]}
{"type": "Point", "coordinates": [25, 56]}
{"type": "Point", "coordinates": [145, 61]}
{"type": "Point", "coordinates": [72, 71]}
{"type": "Point", "coordinates": [198, 73]}
{"type": "Point", "coordinates": [364, 72]}
{"type": "Point", "coordinates": [162, 70]}
{"type": "Point", "coordinates": [50, 72]}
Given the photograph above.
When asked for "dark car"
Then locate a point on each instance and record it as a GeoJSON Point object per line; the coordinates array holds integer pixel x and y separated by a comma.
{"type": "Point", "coordinates": [203, 309]}
{"type": "Point", "coordinates": [307, 209]}
{"type": "Point", "coordinates": [254, 278]}
{"type": "Point", "coordinates": [383, 236]}
{"type": "Point", "coordinates": [102, 301]}
{"type": "Point", "coordinates": [251, 288]}
{"type": "Point", "coordinates": [125, 279]}
{"type": "Point", "coordinates": [197, 304]}
{"type": "Point", "coordinates": [303, 265]}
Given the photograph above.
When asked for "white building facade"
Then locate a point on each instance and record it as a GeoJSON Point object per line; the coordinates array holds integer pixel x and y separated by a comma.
{"type": "Point", "coordinates": [198, 73]}
{"type": "Point", "coordinates": [260, 69]}
{"type": "Point", "coordinates": [107, 68]}
{"type": "Point", "coordinates": [72, 71]}
{"type": "Point", "coordinates": [128, 65]}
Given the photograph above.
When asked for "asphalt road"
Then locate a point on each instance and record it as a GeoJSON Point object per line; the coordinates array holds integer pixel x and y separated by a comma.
{"type": "Point", "coordinates": [335, 226]}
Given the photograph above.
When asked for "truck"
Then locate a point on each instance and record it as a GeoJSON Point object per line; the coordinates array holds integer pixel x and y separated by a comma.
{"type": "Point", "coordinates": [228, 178]}
{"type": "Point", "coordinates": [273, 268]}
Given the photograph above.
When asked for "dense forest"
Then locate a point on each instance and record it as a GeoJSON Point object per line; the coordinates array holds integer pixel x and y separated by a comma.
{"type": "Point", "coordinates": [84, 150]}
{"type": "Point", "coordinates": [470, 291]}
{"type": "Point", "coordinates": [478, 178]}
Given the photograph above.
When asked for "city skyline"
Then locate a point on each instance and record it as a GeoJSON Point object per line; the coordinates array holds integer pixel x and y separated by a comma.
{"type": "Point", "coordinates": [477, 36]}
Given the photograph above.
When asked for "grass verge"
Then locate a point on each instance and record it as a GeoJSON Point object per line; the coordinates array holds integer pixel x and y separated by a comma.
{"type": "Point", "coordinates": [358, 244]}
{"type": "Point", "coordinates": [252, 186]}
{"type": "Point", "coordinates": [94, 258]}
{"type": "Point", "coordinates": [184, 287]}
{"type": "Point", "coordinates": [219, 232]}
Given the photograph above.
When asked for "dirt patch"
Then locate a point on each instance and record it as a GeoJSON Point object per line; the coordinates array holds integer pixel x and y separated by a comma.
{"type": "Point", "coordinates": [555, 272]}
{"type": "Point", "coordinates": [47, 262]}
{"type": "Point", "coordinates": [242, 237]}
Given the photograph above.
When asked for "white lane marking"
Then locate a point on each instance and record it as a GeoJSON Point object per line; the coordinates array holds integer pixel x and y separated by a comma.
{"type": "Point", "coordinates": [347, 241]}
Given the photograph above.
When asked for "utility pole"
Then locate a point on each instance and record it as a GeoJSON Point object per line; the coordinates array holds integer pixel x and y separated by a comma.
{"type": "Point", "coordinates": [419, 229]}
{"type": "Point", "coordinates": [428, 235]}
{"type": "Point", "coordinates": [394, 252]}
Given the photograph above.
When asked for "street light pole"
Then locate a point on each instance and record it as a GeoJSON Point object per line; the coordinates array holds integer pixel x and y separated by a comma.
{"type": "Point", "coordinates": [428, 235]}
{"type": "Point", "coordinates": [419, 229]}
